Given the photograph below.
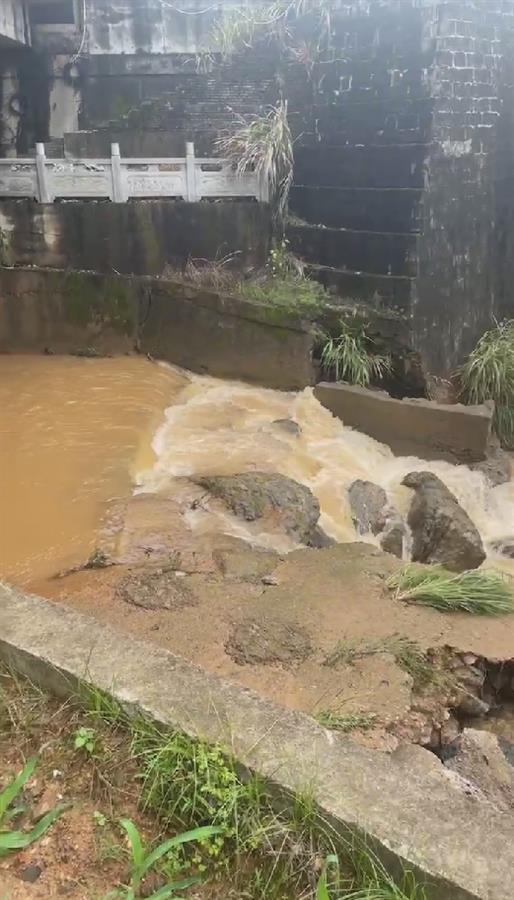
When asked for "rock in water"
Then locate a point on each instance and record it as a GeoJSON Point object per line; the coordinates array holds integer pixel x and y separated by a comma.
{"type": "Point", "coordinates": [442, 531]}
{"type": "Point", "coordinates": [496, 467]}
{"type": "Point", "coordinates": [504, 546]}
{"type": "Point", "coordinates": [371, 513]}
{"type": "Point", "coordinates": [276, 499]}
{"type": "Point", "coordinates": [288, 425]}
{"type": "Point", "coordinates": [368, 503]}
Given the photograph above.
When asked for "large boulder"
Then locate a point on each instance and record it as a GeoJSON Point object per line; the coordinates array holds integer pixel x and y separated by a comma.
{"type": "Point", "coordinates": [372, 513]}
{"type": "Point", "coordinates": [279, 501]}
{"type": "Point", "coordinates": [442, 531]}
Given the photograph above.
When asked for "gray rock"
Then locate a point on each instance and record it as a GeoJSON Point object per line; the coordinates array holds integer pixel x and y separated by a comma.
{"type": "Point", "coordinates": [479, 758]}
{"type": "Point", "coordinates": [504, 546]}
{"type": "Point", "coordinates": [442, 531]}
{"type": "Point", "coordinates": [158, 589]}
{"type": "Point", "coordinates": [288, 425]}
{"type": "Point", "coordinates": [371, 512]}
{"type": "Point", "coordinates": [277, 500]}
{"type": "Point", "coordinates": [30, 874]}
{"type": "Point", "coordinates": [469, 705]}
{"type": "Point", "coordinates": [392, 537]}
{"type": "Point", "coordinates": [319, 539]}
{"type": "Point", "coordinates": [496, 468]}
{"type": "Point", "coordinates": [268, 641]}
{"type": "Point", "coordinates": [368, 503]}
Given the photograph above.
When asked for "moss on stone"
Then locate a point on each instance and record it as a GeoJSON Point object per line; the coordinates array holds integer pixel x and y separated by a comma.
{"type": "Point", "coordinates": [90, 301]}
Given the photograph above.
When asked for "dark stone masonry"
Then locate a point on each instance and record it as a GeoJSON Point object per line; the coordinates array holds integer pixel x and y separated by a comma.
{"type": "Point", "coordinates": [403, 119]}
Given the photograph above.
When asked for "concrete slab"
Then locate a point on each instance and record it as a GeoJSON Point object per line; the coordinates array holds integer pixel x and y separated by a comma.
{"type": "Point", "coordinates": [411, 426]}
{"type": "Point", "coordinates": [415, 817]}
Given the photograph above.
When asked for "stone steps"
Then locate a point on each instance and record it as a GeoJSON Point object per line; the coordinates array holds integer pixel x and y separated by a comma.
{"type": "Point", "coordinates": [374, 252]}
{"type": "Point", "coordinates": [370, 166]}
{"type": "Point", "coordinates": [360, 208]}
{"type": "Point", "coordinates": [378, 292]}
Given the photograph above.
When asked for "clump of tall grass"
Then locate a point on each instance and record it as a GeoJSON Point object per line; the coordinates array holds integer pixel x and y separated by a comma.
{"type": "Point", "coordinates": [350, 356]}
{"type": "Point", "coordinates": [488, 374]}
{"type": "Point", "coordinates": [263, 144]}
{"type": "Point", "coordinates": [476, 591]}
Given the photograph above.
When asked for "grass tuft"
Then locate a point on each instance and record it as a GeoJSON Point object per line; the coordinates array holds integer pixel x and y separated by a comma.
{"type": "Point", "coordinates": [477, 591]}
{"type": "Point", "coordinates": [407, 654]}
{"type": "Point", "coordinates": [263, 144]}
{"type": "Point", "coordinates": [488, 374]}
{"type": "Point", "coordinates": [350, 356]}
{"type": "Point", "coordinates": [345, 722]}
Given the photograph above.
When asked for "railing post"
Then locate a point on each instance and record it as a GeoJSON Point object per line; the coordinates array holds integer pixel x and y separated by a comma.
{"type": "Point", "coordinates": [263, 182]}
{"type": "Point", "coordinates": [191, 194]}
{"type": "Point", "coordinates": [118, 194]}
{"type": "Point", "coordinates": [44, 194]}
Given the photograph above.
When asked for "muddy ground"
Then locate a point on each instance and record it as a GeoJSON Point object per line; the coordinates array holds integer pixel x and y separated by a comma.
{"type": "Point", "coordinates": [312, 629]}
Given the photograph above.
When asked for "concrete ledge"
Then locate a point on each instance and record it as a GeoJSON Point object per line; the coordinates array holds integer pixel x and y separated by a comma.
{"type": "Point", "coordinates": [411, 426]}
{"type": "Point", "coordinates": [415, 817]}
{"type": "Point", "coordinates": [203, 330]}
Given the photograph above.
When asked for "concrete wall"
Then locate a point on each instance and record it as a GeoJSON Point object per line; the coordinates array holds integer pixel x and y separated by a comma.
{"type": "Point", "coordinates": [133, 238]}
{"type": "Point", "coordinates": [47, 310]}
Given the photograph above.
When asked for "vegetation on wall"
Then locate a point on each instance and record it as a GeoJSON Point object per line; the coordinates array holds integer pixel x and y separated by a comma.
{"type": "Point", "coordinates": [263, 144]}
{"type": "Point", "coordinates": [351, 356]}
{"type": "Point", "coordinates": [488, 374]}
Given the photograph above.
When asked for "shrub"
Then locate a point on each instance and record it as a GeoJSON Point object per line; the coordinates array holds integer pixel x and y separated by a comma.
{"type": "Point", "coordinates": [350, 356]}
{"type": "Point", "coordinates": [488, 374]}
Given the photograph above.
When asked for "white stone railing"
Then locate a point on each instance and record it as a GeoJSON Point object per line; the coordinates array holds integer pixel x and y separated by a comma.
{"type": "Point", "coordinates": [119, 180]}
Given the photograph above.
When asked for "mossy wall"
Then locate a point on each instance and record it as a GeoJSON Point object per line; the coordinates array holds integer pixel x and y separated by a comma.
{"type": "Point", "coordinates": [55, 311]}
{"type": "Point", "coordinates": [134, 238]}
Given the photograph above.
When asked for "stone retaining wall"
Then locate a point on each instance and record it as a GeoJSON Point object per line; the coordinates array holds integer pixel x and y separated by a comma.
{"type": "Point", "coordinates": [54, 311]}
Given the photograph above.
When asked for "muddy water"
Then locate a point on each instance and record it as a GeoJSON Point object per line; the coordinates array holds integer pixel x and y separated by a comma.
{"type": "Point", "coordinates": [77, 433]}
{"type": "Point", "coordinates": [223, 428]}
{"type": "Point", "coordinates": [73, 434]}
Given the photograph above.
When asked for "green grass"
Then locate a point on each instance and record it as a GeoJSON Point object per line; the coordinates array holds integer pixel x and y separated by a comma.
{"type": "Point", "coordinates": [407, 654]}
{"type": "Point", "coordinates": [12, 806]}
{"type": "Point", "coordinates": [351, 356]}
{"type": "Point", "coordinates": [257, 843]}
{"type": "Point", "coordinates": [263, 144]}
{"type": "Point", "coordinates": [345, 722]}
{"type": "Point", "coordinates": [488, 374]}
{"type": "Point", "coordinates": [477, 591]}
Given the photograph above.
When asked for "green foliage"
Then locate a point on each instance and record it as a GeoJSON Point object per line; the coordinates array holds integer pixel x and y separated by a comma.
{"type": "Point", "coordinates": [323, 888]}
{"type": "Point", "coordinates": [476, 591]}
{"type": "Point", "coordinates": [350, 356]}
{"type": "Point", "coordinates": [345, 722]}
{"type": "Point", "coordinates": [284, 286]}
{"type": "Point", "coordinates": [488, 374]}
{"type": "Point", "coordinates": [407, 655]}
{"type": "Point", "coordinates": [19, 840]}
{"type": "Point", "coordinates": [143, 860]}
{"type": "Point", "coordinates": [263, 144]}
{"type": "Point", "coordinates": [86, 739]}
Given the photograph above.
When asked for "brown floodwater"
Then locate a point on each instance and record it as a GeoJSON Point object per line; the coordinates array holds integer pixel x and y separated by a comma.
{"type": "Point", "coordinates": [77, 434]}
{"type": "Point", "coordinates": [73, 434]}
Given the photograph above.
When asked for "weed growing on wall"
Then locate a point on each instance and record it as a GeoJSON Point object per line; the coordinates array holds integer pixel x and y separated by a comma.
{"type": "Point", "coordinates": [488, 374]}
{"type": "Point", "coordinates": [263, 144]}
{"type": "Point", "coordinates": [351, 356]}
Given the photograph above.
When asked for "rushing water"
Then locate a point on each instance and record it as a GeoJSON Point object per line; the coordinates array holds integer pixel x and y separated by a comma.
{"type": "Point", "coordinates": [77, 433]}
